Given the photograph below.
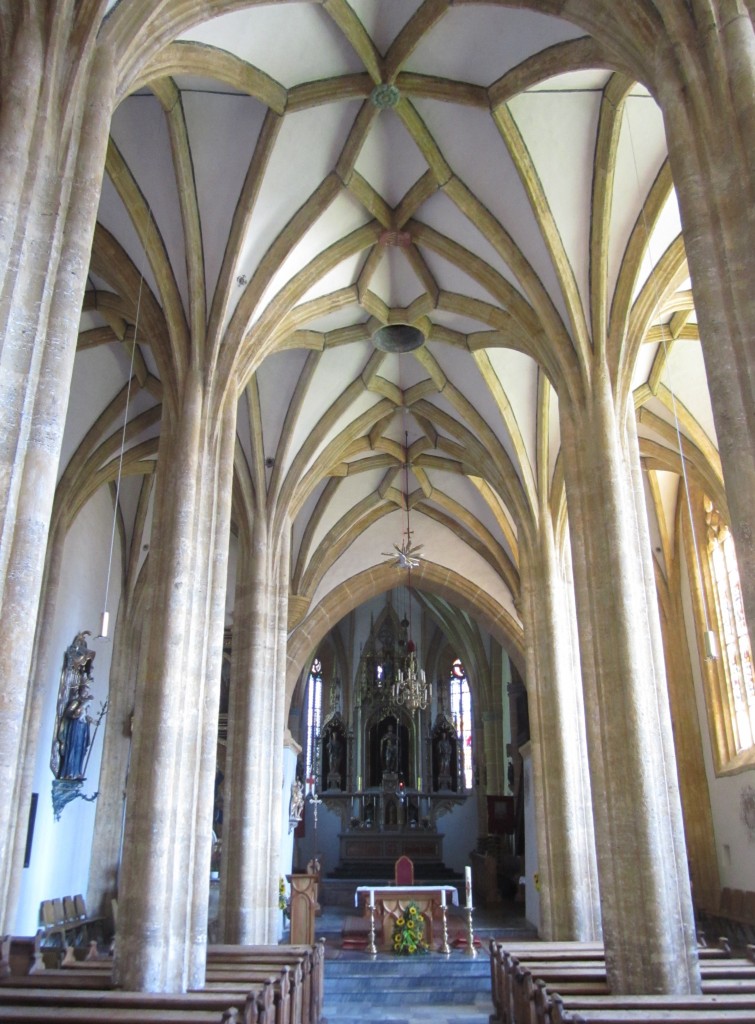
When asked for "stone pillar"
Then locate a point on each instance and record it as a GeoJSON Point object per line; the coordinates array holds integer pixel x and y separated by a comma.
{"type": "Point", "coordinates": [251, 827]}
{"type": "Point", "coordinates": [705, 86]}
{"type": "Point", "coordinates": [648, 925]}
{"type": "Point", "coordinates": [165, 876]}
{"type": "Point", "coordinates": [569, 900]}
{"type": "Point", "coordinates": [128, 664]}
{"type": "Point", "coordinates": [53, 136]}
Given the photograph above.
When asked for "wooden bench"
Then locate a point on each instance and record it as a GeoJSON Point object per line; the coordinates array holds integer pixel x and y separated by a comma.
{"type": "Point", "coordinates": [65, 921]}
{"type": "Point", "coordinates": [515, 982]}
{"type": "Point", "coordinates": [310, 959]}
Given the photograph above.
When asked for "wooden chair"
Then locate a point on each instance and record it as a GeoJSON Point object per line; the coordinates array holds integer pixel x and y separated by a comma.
{"type": "Point", "coordinates": [404, 871]}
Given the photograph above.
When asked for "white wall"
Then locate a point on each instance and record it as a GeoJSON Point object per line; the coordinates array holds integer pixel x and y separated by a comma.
{"type": "Point", "coordinates": [460, 829]}
{"type": "Point", "coordinates": [735, 844]}
{"type": "Point", "coordinates": [59, 864]}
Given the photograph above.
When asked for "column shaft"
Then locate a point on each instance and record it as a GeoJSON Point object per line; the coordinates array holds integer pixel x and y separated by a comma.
{"type": "Point", "coordinates": [706, 94]}
{"type": "Point", "coordinates": [53, 134]}
{"type": "Point", "coordinates": [569, 903]}
{"type": "Point", "coordinates": [164, 887]}
{"type": "Point", "coordinates": [648, 924]}
{"type": "Point", "coordinates": [249, 870]}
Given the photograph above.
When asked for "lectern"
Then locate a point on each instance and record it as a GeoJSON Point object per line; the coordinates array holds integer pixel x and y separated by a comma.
{"type": "Point", "coordinates": [303, 906]}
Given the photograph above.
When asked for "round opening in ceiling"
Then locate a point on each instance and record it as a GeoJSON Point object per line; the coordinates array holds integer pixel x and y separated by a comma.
{"type": "Point", "coordinates": [398, 338]}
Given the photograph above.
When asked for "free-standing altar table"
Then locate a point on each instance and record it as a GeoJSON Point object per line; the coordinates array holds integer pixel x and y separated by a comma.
{"type": "Point", "coordinates": [391, 901]}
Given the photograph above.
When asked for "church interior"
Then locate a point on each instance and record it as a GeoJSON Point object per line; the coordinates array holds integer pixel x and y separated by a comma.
{"type": "Point", "coordinates": [378, 419]}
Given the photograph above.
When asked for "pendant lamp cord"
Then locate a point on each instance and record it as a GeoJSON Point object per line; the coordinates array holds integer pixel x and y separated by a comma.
{"type": "Point", "coordinates": [104, 629]}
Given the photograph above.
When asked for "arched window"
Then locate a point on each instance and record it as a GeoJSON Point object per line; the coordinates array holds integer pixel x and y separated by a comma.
{"type": "Point", "coordinates": [461, 711]}
{"type": "Point", "coordinates": [733, 637]}
{"type": "Point", "coordinates": [314, 715]}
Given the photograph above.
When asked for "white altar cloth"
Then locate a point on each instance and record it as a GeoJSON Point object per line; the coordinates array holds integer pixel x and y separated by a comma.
{"type": "Point", "coordinates": [392, 891]}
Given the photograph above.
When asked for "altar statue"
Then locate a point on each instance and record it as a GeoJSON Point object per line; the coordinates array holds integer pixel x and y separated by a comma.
{"type": "Point", "coordinates": [389, 750]}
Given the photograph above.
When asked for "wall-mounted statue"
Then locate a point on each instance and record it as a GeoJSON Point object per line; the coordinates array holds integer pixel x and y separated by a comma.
{"type": "Point", "coordinates": [71, 739]}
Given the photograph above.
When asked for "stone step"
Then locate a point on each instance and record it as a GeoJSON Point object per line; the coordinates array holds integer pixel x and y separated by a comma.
{"type": "Point", "coordinates": [395, 982]}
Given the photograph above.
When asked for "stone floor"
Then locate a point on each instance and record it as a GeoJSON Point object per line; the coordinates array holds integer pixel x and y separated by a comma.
{"type": "Point", "coordinates": [386, 989]}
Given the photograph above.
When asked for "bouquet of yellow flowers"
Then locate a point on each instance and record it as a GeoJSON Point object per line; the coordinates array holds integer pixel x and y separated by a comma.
{"type": "Point", "coordinates": [409, 932]}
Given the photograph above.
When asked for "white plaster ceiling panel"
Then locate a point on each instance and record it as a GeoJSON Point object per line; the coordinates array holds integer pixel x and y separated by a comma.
{"type": "Point", "coordinates": [390, 159]}
{"type": "Point", "coordinates": [404, 370]}
{"type": "Point", "coordinates": [113, 216]}
{"type": "Point", "coordinates": [342, 276]}
{"type": "Point", "coordinates": [302, 520]}
{"type": "Point", "coordinates": [351, 490]}
{"type": "Point", "coordinates": [467, 379]}
{"type": "Point", "coordinates": [666, 414]}
{"type": "Point", "coordinates": [128, 498]}
{"type": "Point", "coordinates": [279, 39]}
{"type": "Point", "coordinates": [440, 545]}
{"type": "Point", "coordinates": [97, 282]}
{"type": "Point", "coordinates": [147, 531]}
{"type": "Point", "coordinates": [98, 375]}
{"type": "Point", "coordinates": [640, 154]}
{"type": "Point", "coordinates": [451, 278]}
{"type": "Point", "coordinates": [342, 216]}
{"type": "Point", "coordinates": [336, 369]}
{"type": "Point", "coordinates": [643, 364]}
{"type": "Point", "coordinates": [243, 427]}
{"type": "Point", "coordinates": [666, 228]}
{"type": "Point", "coordinates": [277, 378]}
{"type": "Point", "coordinates": [456, 322]}
{"type": "Point", "coordinates": [199, 84]}
{"type": "Point", "coordinates": [574, 81]}
{"type": "Point", "coordinates": [559, 131]}
{"type": "Point", "coordinates": [90, 318]}
{"type": "Point", "coordinates": [149, 434]}
{"type": "Point", "coordinates": [345, 316]}
{"type": "Point", "coordinates": [440, 213]}
{"type": "Point", "coordinates": [338, 432]}
{"type": "Point", "coordinates": [654, 526]}
{"type": "Point", "coordinates": [518, 376]}
{"type": "Point", "coordinates": [384, 20]}
{"type": "Point", "coordinates": [140, 133]}
{"type": "Point", "coordinates": [223, 132]}
{"type": "Point", "coordinates": [305, 151]}
{"type": "Point", "coordinates": [554, 433]}
{"type": "Point", "coordinates": [459, 488]}
{"type": "Point", "coordinates": [464, 134]}
{"type": "Point", "coordinates": [148, 356]}
{"type": "Point", "coordinates": [684, 375]}
{"type": "Point", "coordinates": [479, 43]}
{"type": "Point", "coordinates": [668, 485]}
{"type": "Point", "coordinates": [395, 280]}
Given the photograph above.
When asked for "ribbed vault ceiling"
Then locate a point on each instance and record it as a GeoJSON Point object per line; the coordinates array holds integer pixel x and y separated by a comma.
{"type": "Point", "coordinates": [264, 216]}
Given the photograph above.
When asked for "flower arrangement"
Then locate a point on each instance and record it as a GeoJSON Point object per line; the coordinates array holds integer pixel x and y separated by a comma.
{"type": "Point", "coordinates": [282, 898]}
{"type": "Point", "coordinates": [409, 932]}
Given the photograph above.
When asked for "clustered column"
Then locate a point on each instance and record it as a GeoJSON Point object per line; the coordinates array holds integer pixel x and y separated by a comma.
{"type": "Point", "coordinates": [164, 885]}
{"type": "Point", "coordinates": [648, 924]}
{"type": "Point", "coordinates": [251, 828]}
{"type": "Point", "coordinates": [569, 903]}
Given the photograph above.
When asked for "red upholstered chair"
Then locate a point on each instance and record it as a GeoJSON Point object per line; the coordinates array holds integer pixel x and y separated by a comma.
{"type": "Point", "coordinates": [404, 871]}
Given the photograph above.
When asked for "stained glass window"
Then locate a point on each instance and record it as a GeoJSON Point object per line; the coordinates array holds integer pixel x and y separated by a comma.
{"type": "Point", "coordinates": [734, 639]}
{"type": "Point", "coordinates": [461, 711]}
{"type": "Point", "coordinates": [314, 715]}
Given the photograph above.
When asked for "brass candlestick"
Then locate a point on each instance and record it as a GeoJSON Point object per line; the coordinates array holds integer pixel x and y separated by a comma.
{"type": "Point", "coordinates": [470, 950]}
{"type": "Point", "coordinates": [372, 948]}
{"type": "Point", "coordinates": [445, 948]}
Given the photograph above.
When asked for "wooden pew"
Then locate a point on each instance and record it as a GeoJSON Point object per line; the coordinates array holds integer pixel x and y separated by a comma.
{"type": "Point", "coordinates": [513, 980]}
{"type": "Point", "coordinates": [310, 958]}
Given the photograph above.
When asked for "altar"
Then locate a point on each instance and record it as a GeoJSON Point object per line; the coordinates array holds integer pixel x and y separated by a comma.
{"type": "Point", "coordinates": [390, 903]}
